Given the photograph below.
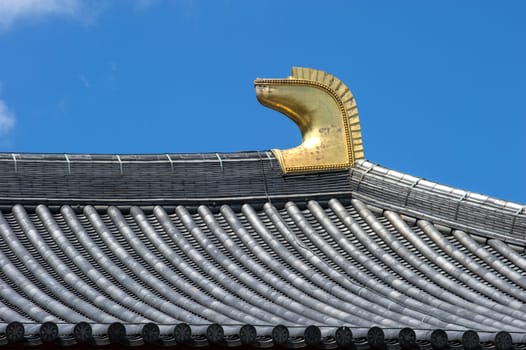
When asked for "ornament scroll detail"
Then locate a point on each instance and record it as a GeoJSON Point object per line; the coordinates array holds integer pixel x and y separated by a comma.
{"type": "Point", "coordinates": [325, 111]}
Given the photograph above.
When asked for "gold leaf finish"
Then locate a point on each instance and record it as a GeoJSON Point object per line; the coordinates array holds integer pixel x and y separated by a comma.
{"type": "Point", "coordinates": [325, 111]}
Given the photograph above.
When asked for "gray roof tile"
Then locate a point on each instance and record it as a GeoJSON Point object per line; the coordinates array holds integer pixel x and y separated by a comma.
{"type": "Point", "coordinates": [211, 251]}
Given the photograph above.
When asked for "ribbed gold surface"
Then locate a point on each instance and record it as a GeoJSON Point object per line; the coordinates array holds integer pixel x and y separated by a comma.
{"type": "Point", "coordinates": [325, 111]}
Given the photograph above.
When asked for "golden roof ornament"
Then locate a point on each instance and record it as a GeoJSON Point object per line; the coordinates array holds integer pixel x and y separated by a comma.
{"type": "Point", "coordinates": [325, 111]}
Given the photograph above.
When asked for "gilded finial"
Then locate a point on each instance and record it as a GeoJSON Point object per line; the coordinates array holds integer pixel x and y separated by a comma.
{"type": "Point", "coordinates": [325, 111]}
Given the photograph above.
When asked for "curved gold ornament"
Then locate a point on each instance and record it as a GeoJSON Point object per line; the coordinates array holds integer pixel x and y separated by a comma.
{"type": "Point", "coordinates": [325, 111]}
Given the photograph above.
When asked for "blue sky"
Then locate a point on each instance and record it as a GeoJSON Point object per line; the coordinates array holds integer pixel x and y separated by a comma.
{"type": "Point", "coordinates": [440, 85]}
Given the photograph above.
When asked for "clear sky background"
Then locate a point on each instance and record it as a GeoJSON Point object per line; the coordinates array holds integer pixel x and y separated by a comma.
{"type": "Point", "coordinates": [440, 86]}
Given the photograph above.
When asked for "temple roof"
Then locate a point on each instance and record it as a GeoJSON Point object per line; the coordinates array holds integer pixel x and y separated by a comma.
{"type": "Point", "coordinates": [306, 247]}
{"type": "Point", "coordinates": [220, 246]}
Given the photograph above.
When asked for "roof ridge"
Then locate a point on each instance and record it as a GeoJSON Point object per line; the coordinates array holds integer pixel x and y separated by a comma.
{"type": "Point", "coordinates": [459, 209]}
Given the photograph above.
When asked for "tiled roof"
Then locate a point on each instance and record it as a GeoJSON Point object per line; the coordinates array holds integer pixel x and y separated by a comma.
{"type": "Point", "coordinates": [223, 249]}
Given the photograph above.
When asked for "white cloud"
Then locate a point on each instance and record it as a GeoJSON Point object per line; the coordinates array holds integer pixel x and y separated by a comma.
{"type": "Point", "coordinates": [13, 11]}
{"type": "Point", "coordinates": [61, 104]}
{"type": "Point", "coordinates": [141, 5]}
{"type": "Point", "coordinates": [84, 81]}
{"type": "Point", "coordinates": [86, 11]}
{"type": "Point", "coordinates": [113, 71]}
{"type": "Point", "coordinates": [7, 118]}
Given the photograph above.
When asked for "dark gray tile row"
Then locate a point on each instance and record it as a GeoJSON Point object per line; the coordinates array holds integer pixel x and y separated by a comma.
{"type": "Point", "coordinates": [168, 179]}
